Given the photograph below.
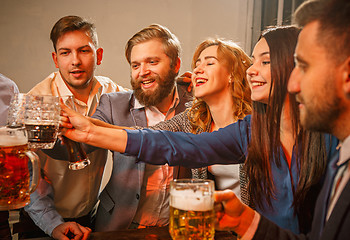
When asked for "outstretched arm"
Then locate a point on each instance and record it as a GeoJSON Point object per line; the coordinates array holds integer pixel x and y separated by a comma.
{"type": "Point", "coordinates": [79, 128]}
{"type": "Point", "coordinates": [100, 123]}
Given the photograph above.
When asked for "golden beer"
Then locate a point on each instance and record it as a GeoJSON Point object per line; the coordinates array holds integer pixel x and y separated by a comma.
{"type": "Point", "coordinates": [192, 209]}
{"type": "Point", "coordinates": [14, 172]}
{"type": "Point", "coordinates": [191, 224]}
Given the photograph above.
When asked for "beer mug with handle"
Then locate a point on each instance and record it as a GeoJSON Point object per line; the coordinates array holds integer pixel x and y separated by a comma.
{"type": "Point", "coordinates": [78, 158]}
{"type": "Point", "coordinates": [40, 114]}
{"type": "Point", "coordinates": [16, 182]}
{"type": "Point", "coordinates": [192, 209]}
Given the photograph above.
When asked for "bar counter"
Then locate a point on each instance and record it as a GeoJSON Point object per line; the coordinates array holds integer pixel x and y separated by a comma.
{"type": "Point", "coordinates": [155, 233]}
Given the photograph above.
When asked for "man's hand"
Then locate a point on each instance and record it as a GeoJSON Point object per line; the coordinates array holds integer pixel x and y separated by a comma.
{"type": "Point", "coordinates": [231, 213]}
{"type": "Point", "coordinates": [185, 79]}
{"type": "Point", "coordinates": [71, 230]}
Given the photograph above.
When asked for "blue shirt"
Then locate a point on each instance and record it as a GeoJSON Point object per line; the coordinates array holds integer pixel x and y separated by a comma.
{"type": "Point", "coordinates": [7, 90]}
{"type": "Point", "coordinates": [225, 146]}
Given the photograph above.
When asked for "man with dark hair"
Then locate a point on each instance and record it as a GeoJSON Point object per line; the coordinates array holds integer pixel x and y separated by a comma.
{"type": "Point", "coordinates": [321, 83]}
{"type": "Point", "coordinates": [65, 200]}
{"type": "Point", "coordinates": [137, 194]}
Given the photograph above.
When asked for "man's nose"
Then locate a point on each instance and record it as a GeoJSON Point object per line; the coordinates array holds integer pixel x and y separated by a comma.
{"type": "Point", "coordinates": [294, 81]}
{"type": "Point", "coordinates": [144, 70]}
{"type": "Point", "coordinates": [76, 61]}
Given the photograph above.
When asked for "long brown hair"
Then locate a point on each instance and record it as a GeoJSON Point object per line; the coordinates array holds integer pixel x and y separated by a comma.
{"type": "Point", "coordinates": [237, 62]}
{"type": "Point", "coordinates": [265, 145]}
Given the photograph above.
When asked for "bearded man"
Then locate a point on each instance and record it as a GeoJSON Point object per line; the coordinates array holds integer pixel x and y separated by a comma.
{"type": "Point", "coordinates": [136, 195]}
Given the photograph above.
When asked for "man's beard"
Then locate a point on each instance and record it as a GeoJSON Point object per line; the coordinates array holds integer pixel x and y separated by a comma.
{"type": "Point", "coordinates": [322, 115]}
{"type": "Point", "coordinates": [152, 98]}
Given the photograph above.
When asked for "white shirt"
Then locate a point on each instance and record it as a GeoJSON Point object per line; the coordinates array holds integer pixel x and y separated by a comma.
{"type": "Point", "coordinates": [153, 209]}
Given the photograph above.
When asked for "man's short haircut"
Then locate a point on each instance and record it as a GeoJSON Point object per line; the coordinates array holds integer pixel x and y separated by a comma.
{"type": "Point", "coordinates": [334, 25]}
{"type": "Point", "coordinates": [70, 24]}
{"type": "Point", "coordinates": [170, 42]}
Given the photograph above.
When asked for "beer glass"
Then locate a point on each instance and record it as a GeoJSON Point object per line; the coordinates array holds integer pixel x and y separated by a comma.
{"type": "Point", "coordinates": [78, 158]}
{"type": "Point", "coordinates": [15, 181]}
{"type": "Point", "coordinates": [41, 119]}
{"type": "Point", "coordinates": [15, 115]}
{"type": "Point", "coordinates": [192, 209]}
{"type": "Point", "coordinates": [40, 115]}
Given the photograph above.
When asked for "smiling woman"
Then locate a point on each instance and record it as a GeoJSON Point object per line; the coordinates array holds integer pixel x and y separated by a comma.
{"type": "Point", "coordinates": [259, 73]}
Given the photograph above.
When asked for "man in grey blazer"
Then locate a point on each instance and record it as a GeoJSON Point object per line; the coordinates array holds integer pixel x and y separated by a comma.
{"type": "Point", "coordinates": [321, 83]}
{"type": "Point", "coordinates": [136, 195]}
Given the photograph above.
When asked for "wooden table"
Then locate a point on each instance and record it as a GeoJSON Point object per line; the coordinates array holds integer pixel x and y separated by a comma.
{"type": "Point", "coordinates": [155, 233]}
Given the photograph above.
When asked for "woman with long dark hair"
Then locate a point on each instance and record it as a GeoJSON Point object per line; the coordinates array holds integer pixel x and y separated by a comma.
{"type": "Point", "coordinates": [279, 155]}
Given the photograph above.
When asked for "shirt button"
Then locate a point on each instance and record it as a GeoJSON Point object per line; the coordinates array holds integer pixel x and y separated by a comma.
{"type": "Point", "coordinates": [137, 196]}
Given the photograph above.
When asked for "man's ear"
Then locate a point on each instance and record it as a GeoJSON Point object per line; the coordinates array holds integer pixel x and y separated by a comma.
{"type": "Point", "coordinates": [177, 65]}
{"type": "Point", "coordinates": [54, 57]}
{"type": "Point", "coordinates": [99, 53]}
{"type": "Point", "coordinates": [345, 68]}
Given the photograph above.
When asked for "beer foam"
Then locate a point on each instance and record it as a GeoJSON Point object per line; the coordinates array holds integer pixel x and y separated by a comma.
{"type": "Point", "coordinates": [13, 141]}
{"type": "Point", "coordinates": [41, 122]}
{"type": "Point", "coordinates": [190, 200]}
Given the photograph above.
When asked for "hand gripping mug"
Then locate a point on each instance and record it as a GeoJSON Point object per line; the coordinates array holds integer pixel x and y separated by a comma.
{"type": "Point", "coordinates": [192, 209]}
{"type": "Point", "coordinates": [16, 182]}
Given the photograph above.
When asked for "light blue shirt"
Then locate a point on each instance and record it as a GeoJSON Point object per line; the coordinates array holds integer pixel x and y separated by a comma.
{"type": "Point", "coordinates": [7, 90]}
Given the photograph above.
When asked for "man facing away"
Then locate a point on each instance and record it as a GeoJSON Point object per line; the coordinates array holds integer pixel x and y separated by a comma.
{"type": "Point", "coordinates": [321, 83]}
{"type": "Point", "coordinates": [65, 199]}
{"type": "Point", "coordinates": [136, 195]}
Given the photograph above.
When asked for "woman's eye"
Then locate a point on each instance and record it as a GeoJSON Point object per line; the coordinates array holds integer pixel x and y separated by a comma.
{"type": "Point", "coordinates": [266, 62]}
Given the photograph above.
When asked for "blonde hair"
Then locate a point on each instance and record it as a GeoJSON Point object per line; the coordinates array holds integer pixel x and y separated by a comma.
{"type": "Point", "coordinates": [237, 62]}
{"type": "Point", "coordinates": [171, 43]}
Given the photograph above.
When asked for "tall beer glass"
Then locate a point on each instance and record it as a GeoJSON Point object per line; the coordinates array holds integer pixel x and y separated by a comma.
{"type": "Point", "coordinates": [78, 158]}
{"type": "Point", "coordinates": [192, 209]}
{"type": "Point", "coordinates": [15, 182]}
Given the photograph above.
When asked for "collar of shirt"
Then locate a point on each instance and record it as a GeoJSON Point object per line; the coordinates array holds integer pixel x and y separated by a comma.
{"type": "Point", "coordinates": [344, 153]}
{"type": "Point", "coordinates": [86, 109]}
{"type": "Point", "coordinates": [342, 177]}
{"type": "Point", "coordinates": [152, 110]}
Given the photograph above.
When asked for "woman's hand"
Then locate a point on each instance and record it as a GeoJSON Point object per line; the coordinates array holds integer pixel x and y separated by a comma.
{"type": "Point", "coordinates": [231, 213]}
{"type": "Point", "coordinates": [74, 125]}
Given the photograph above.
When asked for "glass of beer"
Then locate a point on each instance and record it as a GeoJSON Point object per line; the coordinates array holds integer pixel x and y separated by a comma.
{"type": "Point", "coordinates": [16, 183]}
{"type": "Point", "coordinates": [192, 209]}
{"type": "Point", "coordinates": [78, 158]}
{"type": "Point", "coordinates": [41, 119]}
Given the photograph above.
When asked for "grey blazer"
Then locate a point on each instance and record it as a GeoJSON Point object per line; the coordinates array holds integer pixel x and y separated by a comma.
{"type": "Point", "coordinates": [120, 198]}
